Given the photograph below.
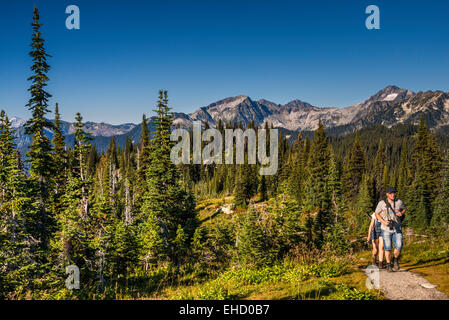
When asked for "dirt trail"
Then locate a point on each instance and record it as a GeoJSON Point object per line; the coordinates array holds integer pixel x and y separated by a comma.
{"type": "Point", "coordinates": [405, 285]}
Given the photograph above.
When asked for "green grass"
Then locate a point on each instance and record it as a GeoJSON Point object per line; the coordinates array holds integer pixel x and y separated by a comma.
{"type": "Point", "coordinates": [334, 279]}
{"type": "Point", "coordinates": [207, 210]}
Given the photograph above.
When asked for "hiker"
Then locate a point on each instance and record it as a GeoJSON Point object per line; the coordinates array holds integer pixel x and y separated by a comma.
{"type": "Point", "coordinates": [390, 213]}
{"type": "Point", "coordinates": [375, 236]}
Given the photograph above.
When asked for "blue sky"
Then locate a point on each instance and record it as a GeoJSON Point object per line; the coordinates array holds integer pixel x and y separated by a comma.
{"type": "Point", "coordinates": [202, 51]}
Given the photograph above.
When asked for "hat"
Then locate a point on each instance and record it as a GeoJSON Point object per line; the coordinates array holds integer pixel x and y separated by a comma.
{"type": "Point", "coordinates": [391, 190]}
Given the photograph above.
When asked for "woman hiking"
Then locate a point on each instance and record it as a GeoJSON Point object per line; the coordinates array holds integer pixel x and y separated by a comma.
{"type": "Point", "coordinates": [375, 236]}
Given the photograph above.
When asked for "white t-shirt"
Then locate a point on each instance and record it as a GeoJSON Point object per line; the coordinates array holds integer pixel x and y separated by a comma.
{"type": "Point", "coordinates": [381, 208]}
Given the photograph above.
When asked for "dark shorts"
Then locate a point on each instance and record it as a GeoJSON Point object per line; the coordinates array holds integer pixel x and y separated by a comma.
{"type": "Point", "coordinates": [377, 231]}
{"type": "Point", "coordinates": [376, 234]}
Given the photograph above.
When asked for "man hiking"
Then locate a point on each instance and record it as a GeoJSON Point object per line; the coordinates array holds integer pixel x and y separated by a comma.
{"type": "Point", "coordinates": [375, 236]}
{"type": "Point", "coordinates": [390, 213]}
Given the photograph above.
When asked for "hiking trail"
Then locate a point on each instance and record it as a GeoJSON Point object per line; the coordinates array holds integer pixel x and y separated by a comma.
{"type": "Point", "coordinates": [405, 285]}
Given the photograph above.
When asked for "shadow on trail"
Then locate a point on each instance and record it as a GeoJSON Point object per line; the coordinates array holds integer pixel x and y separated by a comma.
{"type": "Point", "coordinates": [421, 265]}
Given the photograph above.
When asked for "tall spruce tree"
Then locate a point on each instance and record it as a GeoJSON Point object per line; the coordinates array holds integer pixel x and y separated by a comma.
{"type": "Point", "coordinates": [419, 207]}
{"type": "Point", "coordinates": [404, 179]}
{"type": "Point", "coordinates": [59, 161]}
{"type": "Point", "coordinates": [166, 204]}
{"type": "Point", "coordinates": [39, 154]}
{"type": "Point", "coordinates": [356, 167]}
{"type": "Point", "coordinates": [318, 168]}
{"type": "Point", "coordinates": [334, 187]}
{"type": "Point", "coordinates": [440, 218]}
{"type": "Point", "coordinates": [296, 178]}
{"type": "Point", "coordinates": [378, 170]}
{"type": "Point", "coordinates": [74, 234]}
{"type": "Point", "coordinates": [365, 202]}
{"type": "Point", "coordinates": [426, 164]}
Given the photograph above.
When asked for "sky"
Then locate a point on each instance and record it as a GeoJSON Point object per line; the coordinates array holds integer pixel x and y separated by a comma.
{"type": "Point", "coordinates": [318, 51]}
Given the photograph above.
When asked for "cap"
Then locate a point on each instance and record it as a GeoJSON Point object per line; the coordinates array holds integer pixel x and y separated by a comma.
{"type": "Point", "coordinates": [391, 190]}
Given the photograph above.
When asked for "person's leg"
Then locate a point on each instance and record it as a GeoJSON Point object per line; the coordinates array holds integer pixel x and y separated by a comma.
{"type": "Point", "coordinates": [381, 251]}
{"type": "Point", "coordinates": [397, 241]}
{"type": "Point", "coordinates": [387, 245]}
{"type": "Point", "coordinates": [375, 243]}
{"type": "Point", "coordinates": [375, 246]}
{"type": "Point", "coordinates": [387, 239]}
{"type": "Point", "coordinates": [388, 255]}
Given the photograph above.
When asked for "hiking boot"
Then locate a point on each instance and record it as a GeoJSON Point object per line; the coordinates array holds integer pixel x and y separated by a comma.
{"type": "Point", "coordinates": [396, 264]}
{"type": "Point", "coordinates": [373, 261]}
{"type": "Point", "coordinates": [381, 265]}
{"type": "Point", "coordinates": [389, 268]}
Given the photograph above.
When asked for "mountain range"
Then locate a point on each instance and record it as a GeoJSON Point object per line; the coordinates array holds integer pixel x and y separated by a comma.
{"type": "Point", "coordinates": [390, 106]}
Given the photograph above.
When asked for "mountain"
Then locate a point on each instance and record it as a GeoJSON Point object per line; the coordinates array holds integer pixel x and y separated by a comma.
{"type": "Point", "coordinates": [389, 107]}
{"type": "Point", "coordinates": [295, 115]}
{"type": "Point", "coordinates": [100, 132]}
{"type": "Point", "coordinates": [17, 122]}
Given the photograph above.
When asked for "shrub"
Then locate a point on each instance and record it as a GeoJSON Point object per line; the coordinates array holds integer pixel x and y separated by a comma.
{"type": "Point", "coordinates": [254, 245]}
{"type": "Point", "coordinates": [344, 292]}
{"type": "Point", "coordinates": [336, 241]}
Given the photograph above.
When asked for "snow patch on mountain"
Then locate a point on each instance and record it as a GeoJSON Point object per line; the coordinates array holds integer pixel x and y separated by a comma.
{"type": "Point", "coordinates": [17, 122]}
{"type": "Point", "coordinates": [391, 97]}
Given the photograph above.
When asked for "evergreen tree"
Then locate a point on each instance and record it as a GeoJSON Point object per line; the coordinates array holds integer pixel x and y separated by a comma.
{"type": "Point", "coordinates": [296, 177]}
{"type": "Point", "coordinates": [166, 204]}
{"type": "Point", "coordinates": [426, 162]}
{"type": "Point", "coordinates": [378, 170]}
{"type": "Point", "coordinates": [124, 250]}
{"type": "Point", "coordinates": [112, 175]}
{"type": "Point", "coordinates": [318, 168]}
{"type": "Point", "coordinates": [246, 185]}
{"type": "Point", "coordinates": [419, 207]}
{"type": "Point", "coordinates": [440, 218]}
{"type": "Point", "coordinates": [74, 235]}
{"type": "Point", "coordinates": [18, 264]}
{"type": "Point", "coordinates": [39, 154]}
{"type": "Point", "coordinates": [404, 179]}
{"type": "Point", "coordinates": [365, 202]}
{"type": "Point", "coordinates": [334, 186]}
{"type": "Point", "coordinates": [240, 196]}
{"type": "Point", "coordinates": [253, 243]}
{"type": "Point", "coordinates": [356, 167]}
{"type": "Point", "coordinates": [385, 178]}
{"type": "Point", "coordinates": [59, 161]}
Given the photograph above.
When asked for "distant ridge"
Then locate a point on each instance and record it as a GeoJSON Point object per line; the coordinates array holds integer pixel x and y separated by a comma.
{"type": "Point", "coordinates": [389, 106]}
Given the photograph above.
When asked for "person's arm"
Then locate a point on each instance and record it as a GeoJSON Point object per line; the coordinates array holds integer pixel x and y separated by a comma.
{"type": "Point", "coordinates": [385, 222]}
{"type": "Point", "coordinates": [402, 210]}
{"type": "Point", "coordinates": [378, 216]}
{"type": "Point", "coordinates": [401, 213]}
{"type": "Point", "coordinates": [370, 229]}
